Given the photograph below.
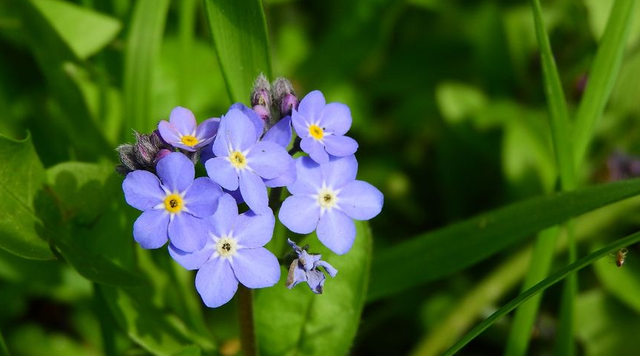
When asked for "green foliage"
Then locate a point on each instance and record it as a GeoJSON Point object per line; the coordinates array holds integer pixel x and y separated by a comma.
{"type": "Point", "coordinates": [21, 179]}
{"type": "Point", "coordinates": [298, 322]}
{"type": "Point", "coordinates": [474, 239]}
{"type": "Point", "coordinates": [239, 33]}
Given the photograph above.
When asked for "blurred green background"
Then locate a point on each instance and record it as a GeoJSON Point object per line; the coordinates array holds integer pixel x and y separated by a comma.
{"type": "Point", "coordinates": [448, 108]}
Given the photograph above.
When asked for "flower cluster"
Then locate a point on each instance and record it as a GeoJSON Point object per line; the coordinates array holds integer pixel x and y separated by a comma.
{"type": "Point", "coordinates": [245, 153]}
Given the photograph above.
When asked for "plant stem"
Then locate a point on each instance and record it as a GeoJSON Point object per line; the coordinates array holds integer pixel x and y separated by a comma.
{"type": "Point", "coordinates": [3, 348]}
{"type": "Point", "coordinates": [245, 313]}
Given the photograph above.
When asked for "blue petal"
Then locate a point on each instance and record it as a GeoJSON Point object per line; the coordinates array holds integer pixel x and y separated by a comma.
{"type": "Point", "coordinates": [257, 122]}
{"type": "Point", "coordinates": [254, 192]}
{"type": "Point", "coordinates": [315, 280]}
{"type": "Point", "coordinates": [267, 159]}
{"type": "Point", "coordinates": [216, 282]}
{"type": "Point", "coordinates": [168, 133]}
{"type": "Point", "coordinates": [202, 197]}
{"type": "Point", "coordinates": [288, 177]}
{"type": "Point", "coordinates": [336, 118]}
{"type": "Point", "coordinates": [309, 261]}
{"type": "Point", "coordinates": [315, 149]}
{"type": "Point", "coordinates": [206, 153]}
{"type": "Point", "coordinates": [183, 120]}
{"type": "Point", "coordinates": [309, 177]}
{"type": "Point", "coordinates": [336, 231]}
{"type": "Point", "coordinates": [327, 267]}
{"type": "Point", "coordinates": [280, 133]}
{"type": "Point", "coordinates": [340, 171]}
{"type": "Point", "coordinates": [236, 133]}
{"type": "Point", "coordinates": [206, 131]}
{"type": "Point", "coordinates": [256, 267]}
{"type": "Point", "coordinates": [253, 230]}
{"type": "Point", "coordinates": [296, 275]}
{"type": "Point", "coordinates": [176, 172]}
{"type": "Point", "coordinates": [223, 221]}
{"type": "Point", "coordinates": [150, 229]}
{"type": "Point", "coordinates": [300, 124]}
{"type": "Point", "coordinates": [192, 260]}
{"type": "Point", "coordinates": [360, 200]}
{"type": "Point", "coordinates": [222, 172]}
{"type": "Point", "coordinates": [299, 214]}
{"type": "Point", "coordinates": [142, 190]}
{"type": "Point", "coordinates": [187, 232]}
{"type": "Point", "coordinates": [340, 145]}
{"type": "Point", "coordinates": [311, 106]}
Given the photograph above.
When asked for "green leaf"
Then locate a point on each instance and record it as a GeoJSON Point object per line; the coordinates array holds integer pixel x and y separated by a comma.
{"type": "Point", "coordinates": [473, 240]}
{"type": "Point", "coordinates": [239, 32]}
{"type": "Point", "coordinates": [538, 288]}
{"type": "Point", "coordinates": [604, 326]}
{"type": "Point", "coordinates": [189, 351]}
{"type": "Point", "coordinates": [557, 105]}
{"type": "Point", "coordinates": [603, 74]}
{"type": "Point", "coordinates": [298, 322]}
{"type": "Point", "coordinates": [21, 179]}
{"type": "Point", "coordinates": [85, 31]}
{"type": "Point", "coordinates": [141, 54]}
{"type": "Point", "coordinates": [87, 220]}
{"type": "Point", "coordinates": [60, 66]}
{"type": "Point", "coordinates": [157, 331]}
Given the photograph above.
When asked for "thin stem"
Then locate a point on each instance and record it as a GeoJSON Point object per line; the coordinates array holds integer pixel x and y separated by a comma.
{"type": "Point", "coordinates": [3, 348]}
{"type": "Point", "coordinates": [247, 329]}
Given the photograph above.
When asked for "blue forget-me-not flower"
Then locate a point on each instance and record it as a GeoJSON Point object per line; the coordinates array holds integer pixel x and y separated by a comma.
{"type": "Point", "coordinates": [182, 131]}
{"type": "Point", "coordinates": [172, 205]}
{"type": "Point", "coordinates": [233, 254]}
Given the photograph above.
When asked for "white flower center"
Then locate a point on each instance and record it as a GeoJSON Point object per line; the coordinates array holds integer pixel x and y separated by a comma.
{"type": "Point", "coordinates": [227, 247]}
{"type": "Point", "coordinates": [327, 198]}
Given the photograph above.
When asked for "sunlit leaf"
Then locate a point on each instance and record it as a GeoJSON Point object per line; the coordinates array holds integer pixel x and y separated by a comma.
{"type": "Point", "coordinates": [239, 34]}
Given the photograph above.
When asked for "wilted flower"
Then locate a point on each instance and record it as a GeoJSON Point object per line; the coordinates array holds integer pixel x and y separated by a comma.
{"type": "Point", "coordinates": [305, 269]}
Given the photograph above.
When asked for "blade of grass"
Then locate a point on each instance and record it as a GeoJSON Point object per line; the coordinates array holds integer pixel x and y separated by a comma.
{"type": "Point", "coordinates": [239, 33]}
{"type": "Point", "coordinates": [603, 74]}
{"type": "Point", "coordinates": [3, 348]}
{"type": "Point", "coordinates": [186, 29]}
{"type": "Point", "coordinates": [141, 53]}
{"type": "Point", "coordinates": [520, 332]}
{"type": "Point", "coordinates": [480, 237]}
{"type": "Point", "coordinates": [546, 283]}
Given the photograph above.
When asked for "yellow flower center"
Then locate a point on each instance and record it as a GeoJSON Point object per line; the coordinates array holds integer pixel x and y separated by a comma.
{"type": "Point", "coordinates": [237, 159]}
{"type": "Point", "coordinates": [189, 140]}
{"type": "Point", "coordinates": [327, 198]}
{"type": "Point", "coordinates": [227, 246]}
{"type": "Point", "coordinates": [316, 132]}
{"type": "Point", "coordinates": [173, 203]}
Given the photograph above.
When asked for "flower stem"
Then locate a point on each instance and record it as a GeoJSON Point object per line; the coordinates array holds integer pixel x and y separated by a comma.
{"type": "Point", "coordinates": [245, 313]}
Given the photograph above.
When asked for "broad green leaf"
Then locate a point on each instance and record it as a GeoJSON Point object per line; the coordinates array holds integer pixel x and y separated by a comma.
{"type": "Point", "coordinates": [239, 33]}
{"type": "Point", "coordinates": [603, 74]}
{"type": "Point", "coordinates": [298, 322]}
{"type": "Point", "coordinates": [622, 282]}
{"type": "Point", "coordinates": [141, 54]}
{"type": "Point", "coordinates": [604, 326]}
{"type": "Point", "coordinates": [473, 240]}
{"type": "Point", "coordinates": [59, 65]}
{"type": "Point", "coordinates": [87, 220]}
{"type": "Point", "coordinates": [21, 179]}
{"type": "Point", "coordinates": [157, 331]}
{"type": "Point", "coordinates": [538, 288]}
{"type": "Point", "coordinates": [85, 31]}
